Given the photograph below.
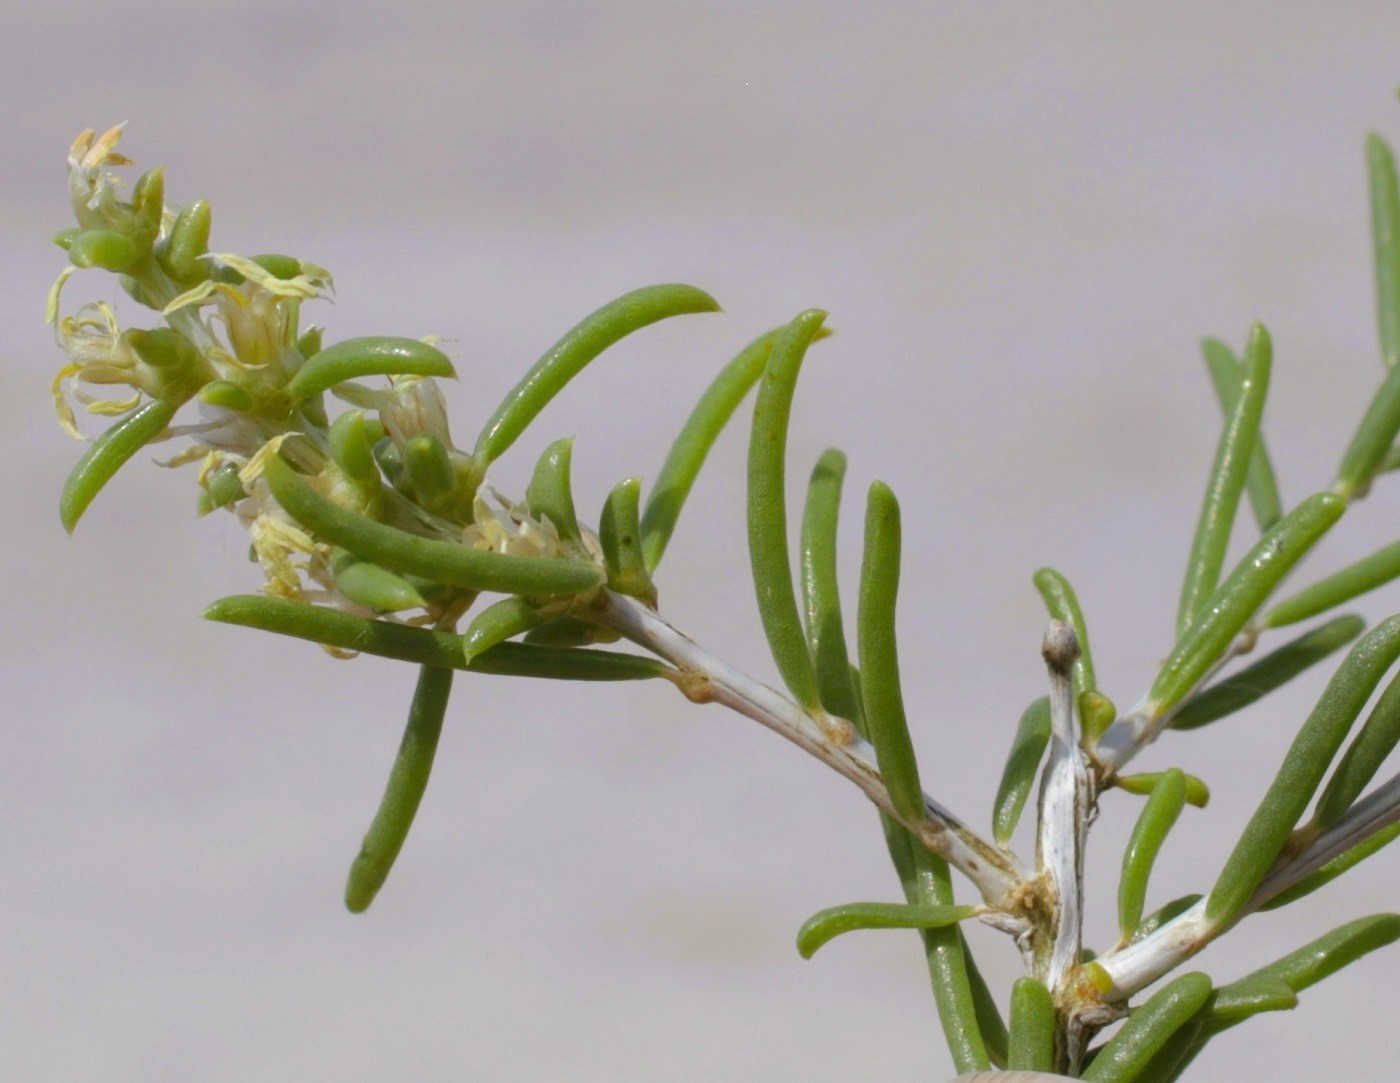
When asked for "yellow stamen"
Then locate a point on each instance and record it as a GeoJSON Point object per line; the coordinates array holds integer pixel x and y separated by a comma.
{"type": "Point", "coordinates": [180, 458]}
{"type": "Point", "coordinates": [51, 309]}
{"type": "Point", "coordinates": [60, 403]}
{"type": "Point", "coordinates": [194, 296]}
{"type": "Point", "coordinates": [103, 151]}
{"type": "Point", "coordinates": [253, 469]}
{"type": "Point", "coordinates": [114, 407]}
{"type": "Point", "coordinates": [304, 286]}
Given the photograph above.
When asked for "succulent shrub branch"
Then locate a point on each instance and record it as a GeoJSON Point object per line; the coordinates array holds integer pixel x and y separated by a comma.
{"type": "Point", "coordinates": [375, 532]}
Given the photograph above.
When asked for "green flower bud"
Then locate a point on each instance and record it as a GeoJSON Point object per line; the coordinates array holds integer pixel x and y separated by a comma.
{"type": "Point", "coordinates": [497, 623]}
{"type": "Point", "coordinates": [550, 494]}
{"type": "Point", "coordinates": [103, 248]}
{"type": "Point", "coordinates": [341, 559]}
{"type": "Point", "coordinates": [188, 241]}
{"type": "Point", "coordinates": [390, 460]}
{"type": "Point", "coordinates": [222, 488]}
{"type": "Point", "coordinates": [148, 205]}
{"type": "Point", "coordinates": [620, 533]}
{"type": "Point", "coordinates": [226, 394]}
{"type": "Point", "coordinates": [377, 588]}
{"type": "Point", "coordinates": [429, 467]}
{"type": "Point", "coordinates": [162, 347]}
{"type": "Point", "coordinates": [309, 345]}
{"type": "Point", "coordinates": [351, 449]}
{"type": "Point", "coordinates": [1096, 714]}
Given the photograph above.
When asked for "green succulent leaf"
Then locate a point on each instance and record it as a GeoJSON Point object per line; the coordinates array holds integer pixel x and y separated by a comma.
{"type": "Point", "coordinates": [767, 509]}
{"type": "Point", "coordinates": [1373, 743]}
{"type": "Point", "coordinates": [1127, 1054]}
{"type": "Point", "coordinates": [1027, 750]}
{"type": "Point", "coordinates": [1032, 1047]}
{"type": "Point", "coordinates": [222, 487]}
{"type": "Point", "coordinates": [429, 467]}
{"type": "Point", "coordinates": [1303, 768]}
{"type": "Point", "coordinates": [879, 655]}
{"type": "Point", "coordinates": [1226, 375]}
{"type": "Point", "coordinates": [404, 792]}
{"type": "Point", "coordinates": [1373, 439]}
{"type": "Point", "coordinates": [1159, 815]}
{"type": "Point", "coordinates": [1240, 596]}
{"type": "Point", "coordinates": [376, 588]}
{"type": "Point", "coordinates": [104, 248]}
{"type": "Point", "coordinates": [551, 495]}
{"type": "Point", "coordinates": [620, 535]}
{"type": "Point", "coordinates": [1233, 456]}
{"type": "Point", "coordinates": [374, 355]}
{"type": "Point", "coordinates": [188, 241]}
{"type": "Point", "coordinates": [1357, 579]}
{"type": "Point", "coordinates": [568, 357]}
{"type": "Point", "coordinates": [821, 594]}
{"type": "Point", "coordinates": [496, 623]}
{"type": "Point", "coordinates": [1238, 1001]}
{"type": "Point", "coordinates": [698, 434]}
{"type": "Point", "coordinates": [351, 447]}
{"type": "Point", "coordinates": [107, 454]}
{"type": "Point", "coordinates": [825, 925]}
{"type": "Point", "coordinates": [1385, 226]}
{"type": "Point", "coordinates": [334, 628]}
{"type": "Point", "coordinates": [1328, 954]}
{"type": "Point", "coordinates": [1197, 793]}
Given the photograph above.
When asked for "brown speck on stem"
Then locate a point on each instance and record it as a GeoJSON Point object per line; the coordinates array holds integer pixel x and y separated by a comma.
{"type": "Point", "coordinates": [694, 686]}
{"type": "Point", "coordinates": [838, 730]}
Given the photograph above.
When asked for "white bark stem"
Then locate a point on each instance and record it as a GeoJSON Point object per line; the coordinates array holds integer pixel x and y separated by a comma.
{"type": "Point", "coordinates": [1138, 965]}
{"type": "Point", "coordinates": [706, 678]}
{"type": "Point", "coordinates": [1064, 807]}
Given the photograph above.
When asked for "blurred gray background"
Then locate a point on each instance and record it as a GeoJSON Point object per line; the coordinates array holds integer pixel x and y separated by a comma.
{"type": "Point", "coordinates": [1022, 218]}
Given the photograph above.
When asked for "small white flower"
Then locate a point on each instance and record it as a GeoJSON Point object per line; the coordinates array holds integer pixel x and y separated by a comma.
{"type": "Point", "coordinates": [512, 530]}
{"type": "Point", "coordinates": [98, 355]}
{"type": "Point", "coordinates": [410, 406]}
{"type": "Point", "coordinates": [259, 316]}
{"type": "Point", "coordinates": [284, 551]}
{"type": "Point", "coordinates": [223, 431]}
{"type": "Point", "coordinates": [91, 189]}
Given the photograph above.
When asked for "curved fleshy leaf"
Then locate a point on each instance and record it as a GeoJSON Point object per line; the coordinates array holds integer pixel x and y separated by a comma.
{"type": "Point", "coordinates": [767, 509]}
{"type": "Point", "coordinates": [408, 780]}
{"type": "Point", "coordinates": [1228, 475]}
{"type": "Point", "coordinates": [107, 454]}
{"type": "Point", "coordinates": [334, 628]}
{"type": "Point", "coordinates": [567, 358]}
{"type": "Point", "coordinates": [372, 355]}
{"type": "Point", "coordinates": [825, 925]}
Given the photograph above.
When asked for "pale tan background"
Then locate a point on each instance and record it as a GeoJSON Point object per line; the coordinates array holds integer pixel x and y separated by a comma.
{"type": "Point", "coordinates": [1021, 216]}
